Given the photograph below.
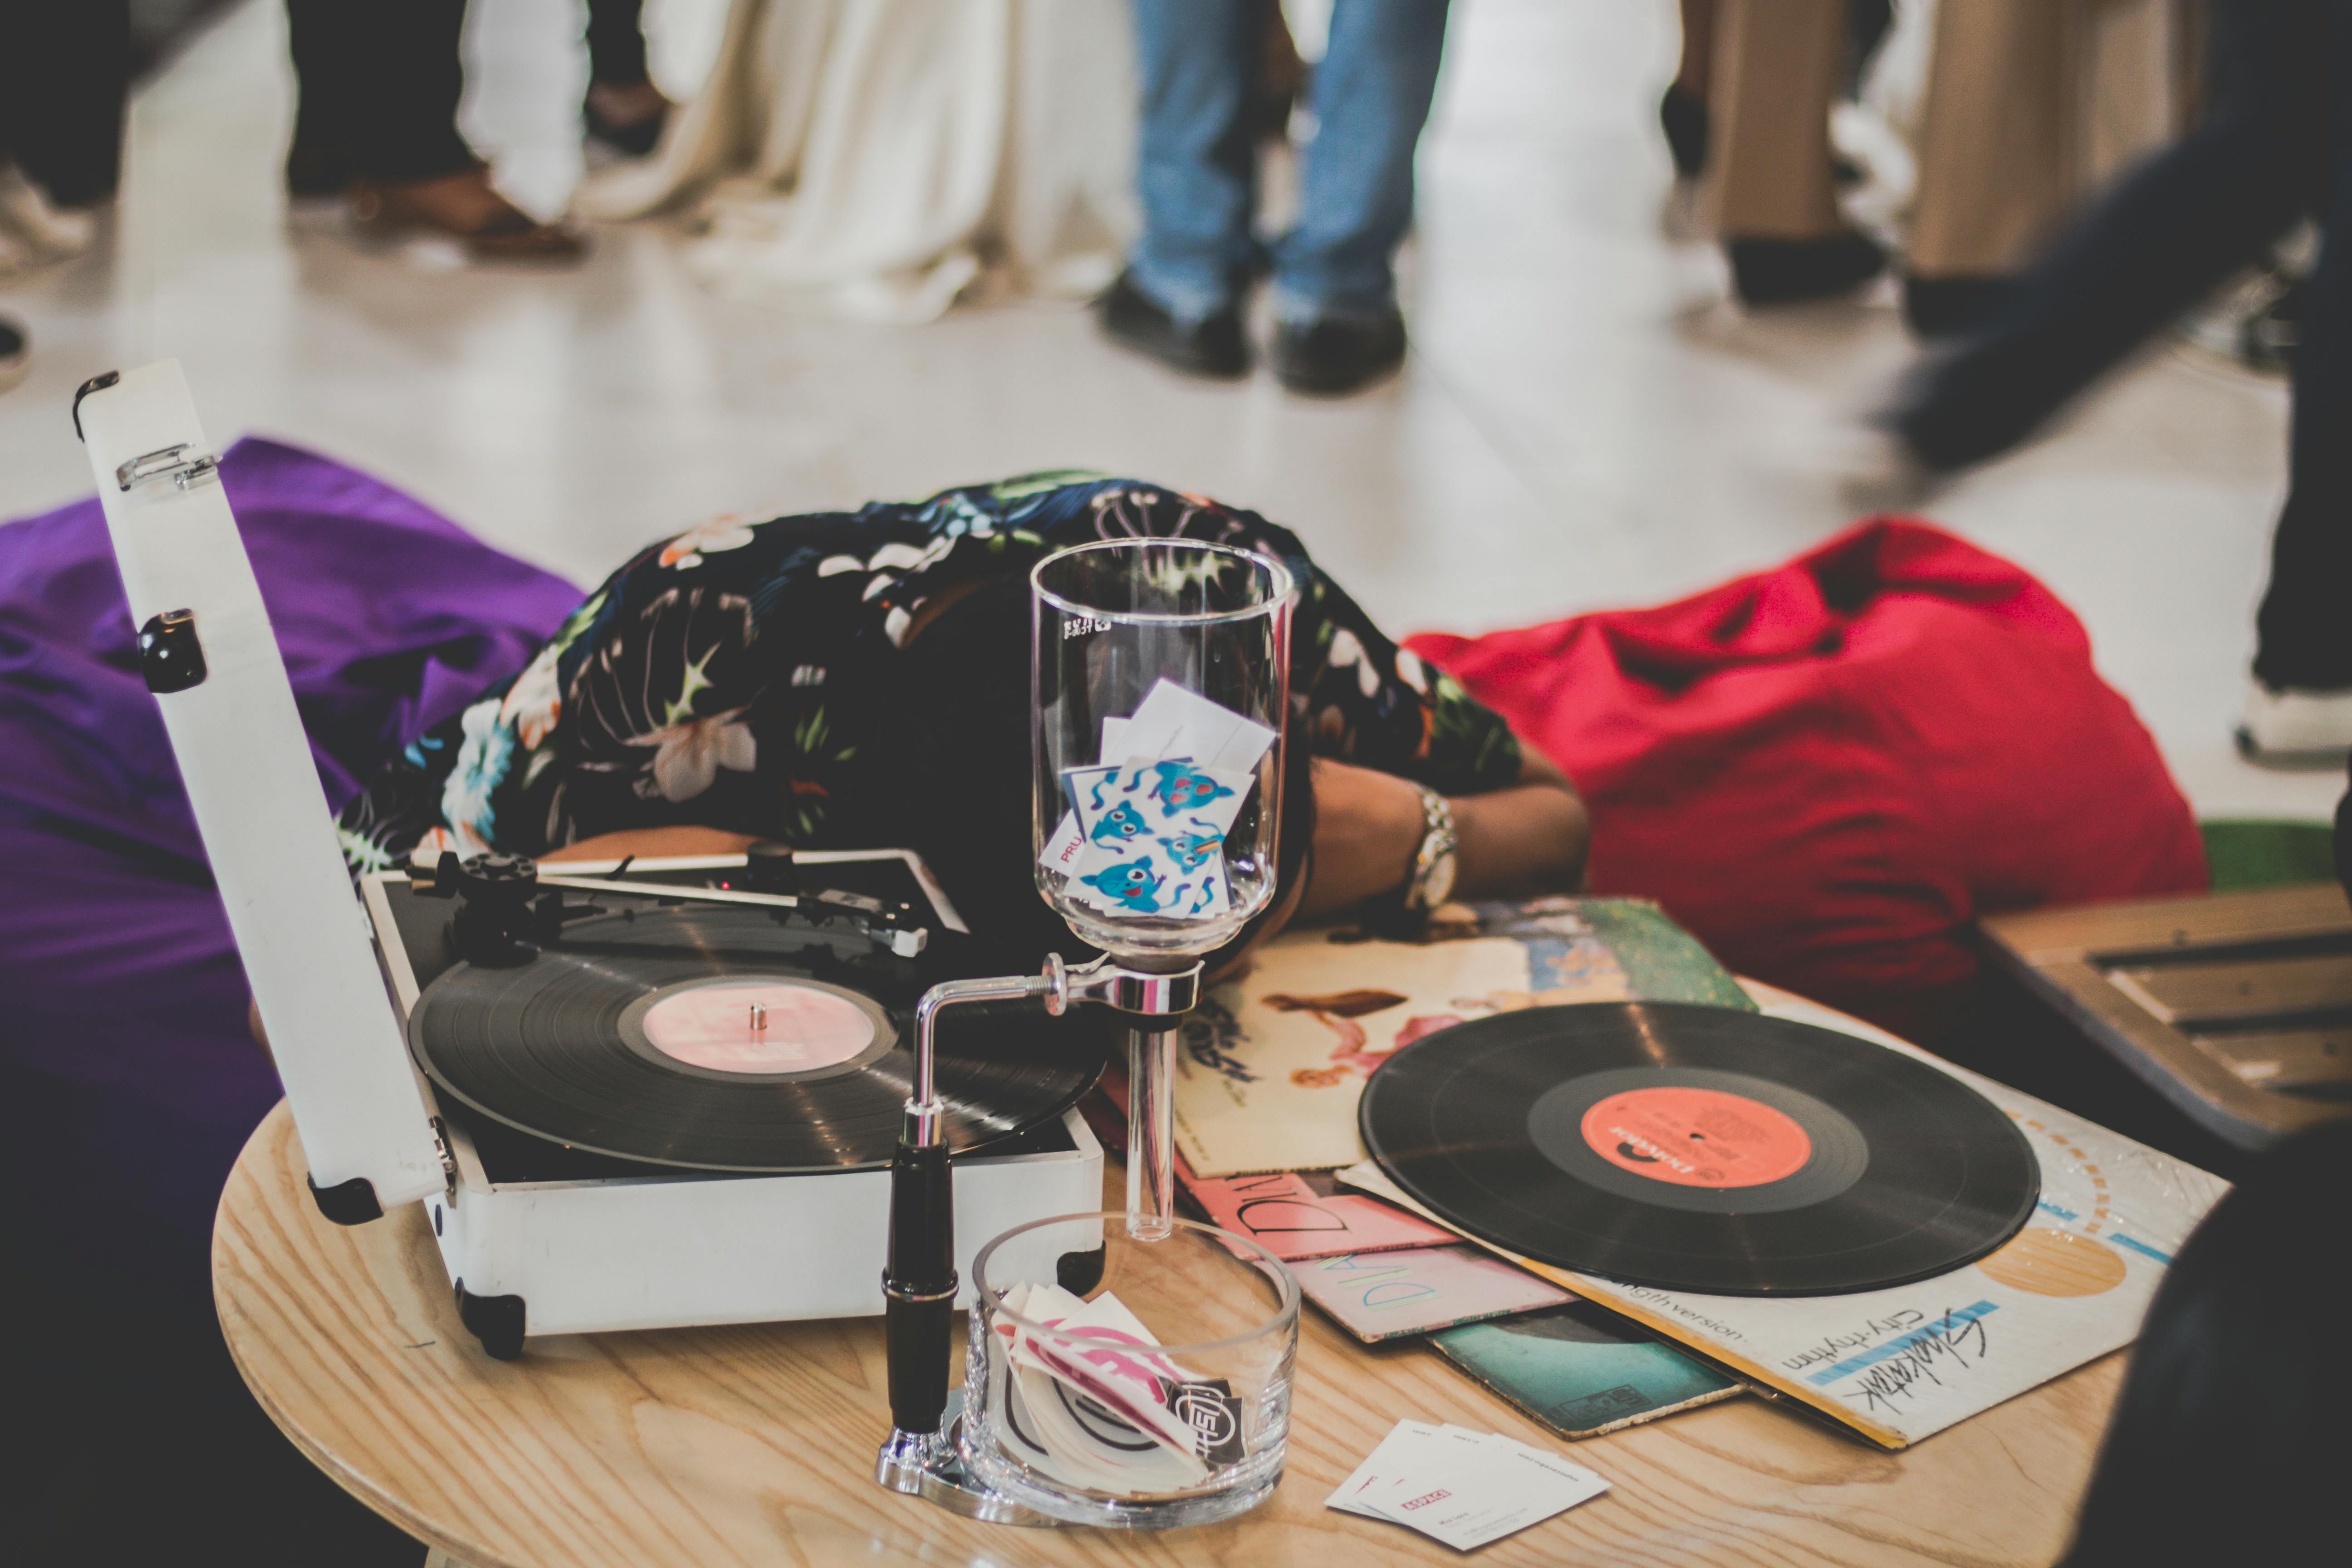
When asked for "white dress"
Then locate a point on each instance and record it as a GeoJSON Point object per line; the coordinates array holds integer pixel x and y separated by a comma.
{"type": "Point", "coordinates": [872, 159]}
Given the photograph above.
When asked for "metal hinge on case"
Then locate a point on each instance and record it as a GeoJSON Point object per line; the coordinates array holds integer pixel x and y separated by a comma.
{"type": "Point", "coordinates": [448, 1162]}
{"type": "Point", "coordinates": [170, 463]}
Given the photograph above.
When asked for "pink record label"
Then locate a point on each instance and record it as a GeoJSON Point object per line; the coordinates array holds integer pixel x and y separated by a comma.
{"type": "Point", "coordinates": [758, 1026]}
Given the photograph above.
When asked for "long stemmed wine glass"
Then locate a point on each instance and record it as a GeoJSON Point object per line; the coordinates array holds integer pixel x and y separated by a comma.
{"type": "Point", "coordinates": [1162, 670]}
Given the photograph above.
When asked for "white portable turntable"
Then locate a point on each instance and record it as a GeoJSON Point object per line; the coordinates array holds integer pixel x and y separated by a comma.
{"type": "Point", "coordinates": [541, 1231]}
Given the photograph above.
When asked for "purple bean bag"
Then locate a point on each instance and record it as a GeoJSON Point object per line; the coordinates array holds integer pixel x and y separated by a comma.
{"type": "Point", "coordinates": [129, 1079]}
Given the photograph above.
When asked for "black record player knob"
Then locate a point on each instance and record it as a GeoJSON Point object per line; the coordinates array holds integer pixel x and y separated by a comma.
{"type": "Point", "coordinates": [495, 919]}
{"type": "Point", "coordinates": [769, 867]}
{"type": "Point", "coordinates": [503, 879]}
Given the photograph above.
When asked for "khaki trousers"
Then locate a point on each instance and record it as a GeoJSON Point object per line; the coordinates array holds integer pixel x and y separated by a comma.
{"type": "Point", "coordinates": [2028, 104]}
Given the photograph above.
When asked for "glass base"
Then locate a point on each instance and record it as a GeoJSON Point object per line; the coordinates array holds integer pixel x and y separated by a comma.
{"type": "Point", "coordinates": [1019, 1485]}
{"type": "Point", "coordinates": [930, 1465]}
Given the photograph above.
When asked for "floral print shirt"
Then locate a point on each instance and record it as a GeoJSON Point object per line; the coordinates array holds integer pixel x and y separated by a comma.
{"type": "Point", "coordinates": [730, 676]}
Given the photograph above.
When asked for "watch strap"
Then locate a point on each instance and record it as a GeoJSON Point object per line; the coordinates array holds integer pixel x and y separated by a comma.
{"type": "Point", "coordinates": [1439, 842]}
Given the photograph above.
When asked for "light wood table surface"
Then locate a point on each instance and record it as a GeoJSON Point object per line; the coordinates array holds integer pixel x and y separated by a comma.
{"type": "Point", "coordinates": [755, 1445]}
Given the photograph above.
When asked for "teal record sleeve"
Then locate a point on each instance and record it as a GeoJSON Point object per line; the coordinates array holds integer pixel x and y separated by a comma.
{"type": "Point", "coordinates": [1575, 1370]}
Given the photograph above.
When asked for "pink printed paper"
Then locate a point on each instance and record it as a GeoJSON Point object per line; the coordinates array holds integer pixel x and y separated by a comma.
{"type": "Point", "coordinates": [1389, 1294]}
{"type": "Point", "coordinates": [1282, 1214]}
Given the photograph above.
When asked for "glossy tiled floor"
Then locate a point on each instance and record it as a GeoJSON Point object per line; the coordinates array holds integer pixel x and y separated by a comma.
{"type": "Point", "coordinates": [1584, 423]}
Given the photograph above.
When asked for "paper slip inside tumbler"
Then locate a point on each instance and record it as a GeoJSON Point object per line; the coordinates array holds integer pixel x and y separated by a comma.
{"type": "Point", "coordinates": [1097, 1407]}
{"type": "Point", "coordinates": [1462, 1488]}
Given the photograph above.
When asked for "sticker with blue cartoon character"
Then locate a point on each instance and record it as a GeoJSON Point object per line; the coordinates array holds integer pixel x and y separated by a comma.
{"type": "Point", "coordinates": [1137, 884]}
{"type": "Point", "coordinates": [1169, 791]}
{"type": "Point", "coordinates": [1130, 885]}
{"type": "Point", "coordinates": [1146, 837]}
{"type": "Point", "coordinates": [1179, 786]}
{"type": "Point", "coordinates": [1188, 851]}
{"type": "Point", "coordinates": [1090, 792]}
{"type": "Point", "coordinates": [1122, 824]}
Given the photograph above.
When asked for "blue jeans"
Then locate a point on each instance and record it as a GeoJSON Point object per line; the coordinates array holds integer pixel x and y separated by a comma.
{"type": "Point", "coordinates": [1197, 169]}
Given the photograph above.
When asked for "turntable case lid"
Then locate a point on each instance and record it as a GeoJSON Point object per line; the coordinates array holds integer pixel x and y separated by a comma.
{"type": "Point", "coordinates": [268, 831]}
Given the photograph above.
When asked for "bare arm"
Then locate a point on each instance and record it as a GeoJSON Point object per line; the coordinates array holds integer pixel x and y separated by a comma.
{"type": "Point", "coordinates": [650, 842]}
{"type": "Point", "coordinates": [645, 841]}
{"type": "Point", "coordinates": [1527, 839]}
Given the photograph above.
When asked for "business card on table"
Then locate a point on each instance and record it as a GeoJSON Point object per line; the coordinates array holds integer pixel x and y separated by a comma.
{"type": "Point", "coordinates": [1383, 1463]}
{"type": "Point", "coordinates": [1462, 1488]}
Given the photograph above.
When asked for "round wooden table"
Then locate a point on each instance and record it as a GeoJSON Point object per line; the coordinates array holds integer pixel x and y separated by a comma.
{"type": "Point", "coordinates": [755, 1445]}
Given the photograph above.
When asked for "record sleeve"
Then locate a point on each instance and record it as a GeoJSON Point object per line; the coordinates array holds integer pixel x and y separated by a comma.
{"type": "Point", "coordinates": [1276, 1057]}
{"type": "Point", "coordinates": [1899, 1364]}
{"type": "Point", "coordinates": [1579, 1373]}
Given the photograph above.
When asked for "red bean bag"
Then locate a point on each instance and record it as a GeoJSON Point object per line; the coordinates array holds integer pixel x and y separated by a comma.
{"type": "Point", "coordinates": [1827, 770]}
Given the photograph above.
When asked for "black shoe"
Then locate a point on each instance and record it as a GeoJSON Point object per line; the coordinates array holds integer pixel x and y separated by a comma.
{"type": "Point", "coordinates": [1332, 357]}
{"type": "Point", "coordinates": [16, 355]}
{"type": "Point", "coordinates": [1683, 116]}
{"type": "Point", "coordinates": [2267, 335]}
{"type": "Point", "coordinates": [319, 169]}
{"type": "Point", "coordinates": [634, 138]}
{"type": "Point", "coordinates": [1784, 271]}
{"type": "Point", "coordinates": [1212, 347]}
{"type": "Point", "coordinates": [1947, 307]}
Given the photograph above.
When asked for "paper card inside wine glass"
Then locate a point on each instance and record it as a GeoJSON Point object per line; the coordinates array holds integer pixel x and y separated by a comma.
{"type": "Point", "coordinates": [1174, 723]}
{"type": "Point", "coordinates": [1146, 835]}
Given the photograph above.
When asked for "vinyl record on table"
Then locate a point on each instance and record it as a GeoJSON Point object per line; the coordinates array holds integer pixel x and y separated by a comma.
{"type": "Point", "coordinates": [636, 1036]}
{"type": "Point", "coordinates": [1695, 1148]}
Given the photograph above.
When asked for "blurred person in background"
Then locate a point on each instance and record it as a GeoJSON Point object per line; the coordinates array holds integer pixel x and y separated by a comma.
{"type": "Point", "coordinates": [623, 109]}
{"type": "Point", "coordinates": [1188, 275]}
{"type": "Point", "coordinates": [1749, 108]}
{"type": "Point", "coordinates": [377, 118]}
{"type": "Point", "coordinates": [65, 71]}
{"type": "Point", "coordinates": [874, 160]}
{"type": "Point", "coordinates": [1837, 137]}
{"type": "Point", "coordinates": [2274, 147]}
{"type": "Point", "coordinates": [2229, 1443]}
{"type": "Point", "coordinates": [64, 74]}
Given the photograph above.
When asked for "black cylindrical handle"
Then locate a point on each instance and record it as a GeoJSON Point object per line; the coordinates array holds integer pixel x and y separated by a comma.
{"type": "Point", "coordinates": [918, 1285]}
{"type": "Point", "coordinates": [919, 1334]}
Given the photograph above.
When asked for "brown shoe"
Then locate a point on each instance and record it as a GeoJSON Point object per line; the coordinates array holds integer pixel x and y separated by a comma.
{"type": "Point", "coordinates": [464, 207]}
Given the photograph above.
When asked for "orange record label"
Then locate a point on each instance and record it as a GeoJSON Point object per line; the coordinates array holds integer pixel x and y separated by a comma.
{"type": "Point", "coordinates": [1697, 1137]}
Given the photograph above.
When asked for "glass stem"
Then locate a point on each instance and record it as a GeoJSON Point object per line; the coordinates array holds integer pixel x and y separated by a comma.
{"type": "Point", "coordinates": [1151, 1132]}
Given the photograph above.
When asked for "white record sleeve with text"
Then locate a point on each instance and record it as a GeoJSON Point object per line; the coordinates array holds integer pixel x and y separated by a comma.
{"type": "Point", "coordinates": [1900, 1364]}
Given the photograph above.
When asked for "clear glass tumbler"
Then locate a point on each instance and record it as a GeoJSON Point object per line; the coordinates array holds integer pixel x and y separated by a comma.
{"type": "Point", "coordinates": [1145, 1384]}
{"type": "Point", "coordinates": [1162, 670]}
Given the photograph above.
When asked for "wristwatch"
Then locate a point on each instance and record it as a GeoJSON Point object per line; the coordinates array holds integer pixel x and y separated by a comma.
{"type": "Point", "coordinates": [1432, 881]}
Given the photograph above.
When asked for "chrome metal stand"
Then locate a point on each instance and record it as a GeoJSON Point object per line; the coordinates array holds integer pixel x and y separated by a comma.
{"type": "Point", "coordinates": [926, 1465]}
{"type": "Point", "coordinates": [919, 1284]}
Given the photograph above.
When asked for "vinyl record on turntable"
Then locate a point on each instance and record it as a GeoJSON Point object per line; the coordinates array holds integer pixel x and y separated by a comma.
{"type": "Point", "coordinates": [719, 1038]}
{"type": "Point", "coordinates": [1695, 1148]}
